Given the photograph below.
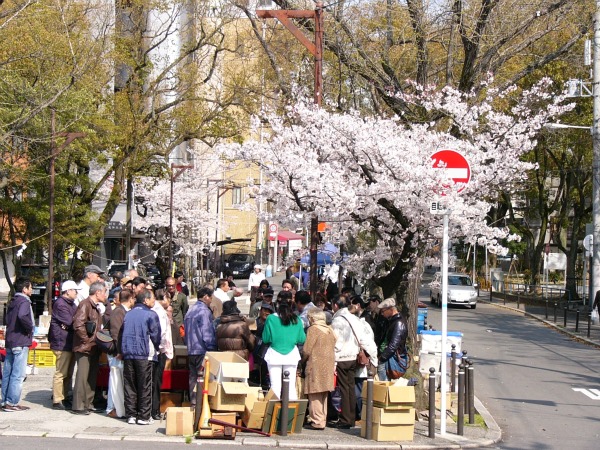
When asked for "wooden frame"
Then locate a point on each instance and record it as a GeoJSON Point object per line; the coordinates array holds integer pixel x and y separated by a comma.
{"type": "Point", "coordinates": [297, 412]}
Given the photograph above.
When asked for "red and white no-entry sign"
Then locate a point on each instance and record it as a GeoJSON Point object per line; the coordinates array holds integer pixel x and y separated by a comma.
{"type": "Point", "coordinates": [455, 165]}
{"type": "Point", "coordinates": [273, 229]}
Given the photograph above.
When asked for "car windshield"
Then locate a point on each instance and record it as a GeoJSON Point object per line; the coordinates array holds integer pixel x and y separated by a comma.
{"type": "Point", "coordinates": [459, 281]}
{"type": "Point", "coordinates": [37, 274]}
{"type": "Point", "coordinates": [239, 258]}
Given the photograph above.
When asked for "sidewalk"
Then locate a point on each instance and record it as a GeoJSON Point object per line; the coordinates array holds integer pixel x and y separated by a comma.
{"type": "Point", "coordinates": [538, 312]}
{"type": "Point", "coordinates": [42, 421]}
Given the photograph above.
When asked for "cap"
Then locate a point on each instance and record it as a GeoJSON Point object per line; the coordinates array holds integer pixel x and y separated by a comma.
{"type": "Point", "coordinates": [93, 268]}
{"type": "Point", "coordinates": [266, 292]}
{"type": "Point", "coordinates": [125, 280]}
{"type": "Point", "coordinates": [387, 303]}
{"type": "Point", "coordinates": [267, 306]}
{"type": "Point", "coordinates": [258, 266]}
{"type": "Point", "coordinates": [69, 284]}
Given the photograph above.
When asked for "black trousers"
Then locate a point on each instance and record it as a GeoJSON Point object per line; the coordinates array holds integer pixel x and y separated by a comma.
{"type": "Point", "coordinates": [195, 366]}
{"type": "Point", "coordinates": [158, 367]}
{"type": "Point", "coordinates": [137, 380]}
{"type": "Point", "coordinates": [345, 379]}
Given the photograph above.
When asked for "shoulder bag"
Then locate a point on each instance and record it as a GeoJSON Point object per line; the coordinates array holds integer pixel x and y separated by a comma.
{"type": "Point", "coordinates": [362, 359]}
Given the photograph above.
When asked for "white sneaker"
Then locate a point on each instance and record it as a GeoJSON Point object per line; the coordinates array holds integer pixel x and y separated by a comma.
{"type": "Point", "coordinates": [150, 421]}
{"type": "Point", "coordinates": [131, 421]}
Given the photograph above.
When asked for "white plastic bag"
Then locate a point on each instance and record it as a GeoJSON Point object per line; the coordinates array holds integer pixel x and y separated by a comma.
{"type": "Point", "coordinates": [595, 316]}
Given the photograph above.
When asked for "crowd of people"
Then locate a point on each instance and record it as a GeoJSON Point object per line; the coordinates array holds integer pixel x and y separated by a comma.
{"type": "Point", "coordinates": [321, 345]}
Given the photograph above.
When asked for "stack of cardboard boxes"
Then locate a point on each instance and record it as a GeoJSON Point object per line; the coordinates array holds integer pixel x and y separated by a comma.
{"type": "Point", "coordinates": [393, 412]}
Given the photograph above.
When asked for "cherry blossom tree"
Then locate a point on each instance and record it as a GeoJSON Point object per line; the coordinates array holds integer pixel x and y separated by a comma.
{"type": "Point", "coordinates": [372, 178]}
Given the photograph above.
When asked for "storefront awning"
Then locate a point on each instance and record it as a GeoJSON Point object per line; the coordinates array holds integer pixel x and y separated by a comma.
{"type": "Point", "coordinates": [285, 235]}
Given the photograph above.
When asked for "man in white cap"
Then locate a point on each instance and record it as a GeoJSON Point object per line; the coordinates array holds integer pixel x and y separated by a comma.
{"type": "Point", "coordinates": [254, 282]}
{"type": "Point", "coordinates": [60, 336]}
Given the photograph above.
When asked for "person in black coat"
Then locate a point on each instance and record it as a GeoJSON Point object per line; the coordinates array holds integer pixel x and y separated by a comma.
{"type": "Point", "coordinates": [60, 336]}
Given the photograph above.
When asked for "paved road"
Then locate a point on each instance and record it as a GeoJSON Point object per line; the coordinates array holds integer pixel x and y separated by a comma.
{"type": "Point", "coordinates": [526, 374]}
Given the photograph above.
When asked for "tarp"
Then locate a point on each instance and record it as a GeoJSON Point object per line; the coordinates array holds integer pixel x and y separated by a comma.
{"type": "Point", "coordinates": [329, 254]}
{"type": "Point", "coordinates": [285, 235]}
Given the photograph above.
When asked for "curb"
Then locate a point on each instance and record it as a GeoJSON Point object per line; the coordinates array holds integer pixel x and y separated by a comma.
{"type": "Point", "coordinates": [546, 322]}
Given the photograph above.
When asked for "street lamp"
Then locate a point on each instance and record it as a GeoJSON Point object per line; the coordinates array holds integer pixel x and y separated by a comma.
{"type": "Point", "coordinates": [176, 171]}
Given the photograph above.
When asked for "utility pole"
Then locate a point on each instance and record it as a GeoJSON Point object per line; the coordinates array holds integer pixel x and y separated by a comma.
{"type": "Point", "coordinates": [316, 49]}
{"type": "Point", "coordinates": [54, 151]}
{"type": "Point", "coordinates": [176, 171]}
{"type": "Point", "coordinates": [595, 269]}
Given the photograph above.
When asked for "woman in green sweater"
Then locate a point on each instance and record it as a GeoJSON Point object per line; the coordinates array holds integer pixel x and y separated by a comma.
{"type": "Point", "coordinates": [284, 331]}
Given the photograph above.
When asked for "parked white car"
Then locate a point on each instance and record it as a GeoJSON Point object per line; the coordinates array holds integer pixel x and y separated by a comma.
{"type": "Point", "coordinates": [461, 290]}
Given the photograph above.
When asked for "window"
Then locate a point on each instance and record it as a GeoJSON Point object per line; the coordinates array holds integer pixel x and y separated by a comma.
{"type": "Point", "coordinates": [236, 195]}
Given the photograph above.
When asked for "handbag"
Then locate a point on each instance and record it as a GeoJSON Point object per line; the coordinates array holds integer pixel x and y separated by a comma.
{"type": "Point", "coordinates": [396, 366]}
{"type": "Point", "coordinates": [106, 343]}
{"type": "Point", "coordinates": [362, 359]}
{"type": "Point", "coordinates": [90, 327]}
{"type": "Point", "coordinates": [595, 316]}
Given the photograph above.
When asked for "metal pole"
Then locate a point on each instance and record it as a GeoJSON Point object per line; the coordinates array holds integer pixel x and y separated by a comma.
{"type": "Point", "coordinates": [443, 387]}
{"type": "Point", "coordinates": [589, 330]}
{"type": "Point", "coordinates": [595, 269]}
{"type": "Point", "coordinates": [369, 406]}
{"type": "Point", "coordinates": [465, 384]}
{"type": "Point", "coordinates": [50, 282]}
{"type": "Point", "coordinates": [471, 393]}
{"type": "Point", "coordinates": [461, 401]}
{"type": "Point", "coordinates": [285, 401]}
{"type": "Point", "coordinates": [546, 309]}
{"type": "Point", "coordinates": [319, 53]}
{"type": "Point", "coordinates": [432, 402]}
{"type": "Point", "coordinates": [555, 307]}
{"type": "Point", "coordinates": [453, 369]}
{"type": "Point", "coordinates": [577, 320]}
{"type": "Point", "coordinates": [172, 176]}
{"type": "Point", "coordinates": [565, 317]}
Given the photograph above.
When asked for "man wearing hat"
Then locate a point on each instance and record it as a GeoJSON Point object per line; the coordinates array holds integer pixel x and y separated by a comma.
{"type": "Point", "coordinates": [254, 282]}
{"type": "Point", "coordinates": [60, 336]}
{"type": "Point", "coordinates": [394, 340]}
{"type": "Point", "coordinates": [91, 274]}
{"type": "Point", "coordinates": [267, 299]}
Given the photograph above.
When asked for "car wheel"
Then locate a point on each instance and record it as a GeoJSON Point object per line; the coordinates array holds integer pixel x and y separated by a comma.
{"type": "Point", "coordinates": [474, 306]}
{"type": "Point", "coordinates": [431, 299]}
{"type": "Point", "coordinates": [439, 301]}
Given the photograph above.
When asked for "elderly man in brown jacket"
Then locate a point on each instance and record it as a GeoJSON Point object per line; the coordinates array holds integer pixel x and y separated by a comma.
{"type": "Point", "coordinates": [86, 323]}
{"type": "Point", "coordinates": [318, 356]}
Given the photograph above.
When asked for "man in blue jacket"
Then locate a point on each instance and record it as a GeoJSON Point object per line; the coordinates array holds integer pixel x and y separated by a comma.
{"type": "Point", "coordinates": [19, 334]}
{"type": "Point", "coordinates": [60, 336]}
{"type": "Point", "coordinates": [199, 336]}
{"type": "Point", "coordinates": [140, 344]}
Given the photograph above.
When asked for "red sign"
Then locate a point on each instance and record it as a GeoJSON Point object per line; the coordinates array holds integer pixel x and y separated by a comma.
{"type": "Point", "coordinates": [273, 229]}
{"type": "Point", "coordinates": [455, 165]}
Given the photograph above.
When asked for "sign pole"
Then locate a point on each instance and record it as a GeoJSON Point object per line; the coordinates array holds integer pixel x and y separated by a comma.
{"type": "Point", "coordinates": [444, 322]}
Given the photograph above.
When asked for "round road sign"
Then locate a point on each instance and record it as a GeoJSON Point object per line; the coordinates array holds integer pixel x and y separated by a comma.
{"type": "Point", "coordinates": [455, 165]}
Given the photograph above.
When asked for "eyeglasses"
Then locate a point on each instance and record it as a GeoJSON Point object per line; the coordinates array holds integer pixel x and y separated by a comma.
{"type": "Point", "coordinates": [170, 285]}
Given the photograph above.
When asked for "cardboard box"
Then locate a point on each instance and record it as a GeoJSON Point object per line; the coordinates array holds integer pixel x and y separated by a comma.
{"type": "Point", "coordinates": [170, 399]}
{"type": "Point", "coordinates": [386, 395]}
{"type": "Point", "coordinates": [254, 411]}
{"type": "Point", "coordinates": [228, 366]}
{"type": "Point", "coordinates": [180, 422]}
{"type": "Point", "coordinates": [227, 396]}
{"type": "Point", "coordinates": [391, 416]}
{"type": "Point", "coordinates": [387, 433]}
{"type": "Point", "coordinates": [219, 430]}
